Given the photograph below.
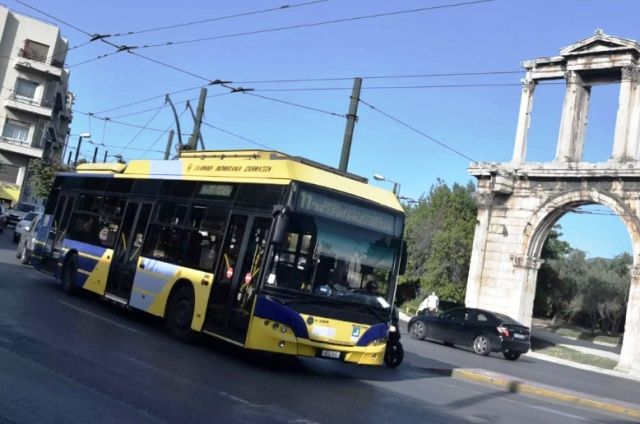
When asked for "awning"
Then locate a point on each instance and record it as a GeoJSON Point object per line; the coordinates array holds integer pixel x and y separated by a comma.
{"type": "Point", "coordinates": [10, 192]}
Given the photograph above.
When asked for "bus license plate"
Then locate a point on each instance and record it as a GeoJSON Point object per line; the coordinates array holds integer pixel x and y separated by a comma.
{"type": "Point", "coordinates": [330, 354]}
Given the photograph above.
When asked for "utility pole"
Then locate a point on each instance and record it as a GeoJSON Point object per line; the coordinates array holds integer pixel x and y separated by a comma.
{"type": "Point", "coordinates": [193, 116]}
{"type": "Point", "coordinates": [193, 140]}
{"type": "Point", "coordinates": [75, 161]}
{"type": "Point", "coordinates": [95, 155]}
{"type": "Point", "coordinates": [167, 152]}
{"type": "Point", "coordinates": [352, 117]}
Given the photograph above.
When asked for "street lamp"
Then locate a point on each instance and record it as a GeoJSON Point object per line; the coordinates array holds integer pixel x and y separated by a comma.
{"type": "Point", "coordinates": [81, 136]}
{"type": "Point", "coordinates": [396, 185]}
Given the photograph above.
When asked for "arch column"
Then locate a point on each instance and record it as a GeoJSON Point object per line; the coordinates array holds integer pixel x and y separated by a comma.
{"type": "Point", "coordinates": [574, 119]}
{"type": "Point", "coordinates": [525, 270]}
{"type": "Point", "coordinates": [630, 354]}
{"type": "Point", "coordinates": [524, 121]}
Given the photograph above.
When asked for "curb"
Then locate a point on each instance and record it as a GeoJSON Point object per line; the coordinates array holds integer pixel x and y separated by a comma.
{"type": "Point", "coordinates": [514, 385]}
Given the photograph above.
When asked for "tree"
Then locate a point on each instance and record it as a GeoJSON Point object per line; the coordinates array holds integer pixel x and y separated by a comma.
{"type": "Point", "coordinates": [439, 233]}
{"type": "Point", "coordinates": [552, 292]}
{"type": "Point", "coordinates": [43, 174]}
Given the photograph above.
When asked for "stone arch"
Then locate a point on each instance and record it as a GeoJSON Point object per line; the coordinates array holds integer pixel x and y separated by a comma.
{"type": "Point", "coordinates": [550, 211]}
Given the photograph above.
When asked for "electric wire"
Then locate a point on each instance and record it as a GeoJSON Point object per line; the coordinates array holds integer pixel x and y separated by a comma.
{"type": "Point", "coordinates": [314, 24]}
{"type": "Point", "coordinates": [339, 115]}
{"type": "Point", "coordinates": [219, 18]}
{"type": "Point", "coordinates": [192, 88]}
{"type": "Point", "coordinates": [148, 149]}
{"type": "Point", "coordinates": [427, 136]}
{"type": "Point", "coordinates": [238, 136]}
{"type": "Point", "coordinates": [142, 129]}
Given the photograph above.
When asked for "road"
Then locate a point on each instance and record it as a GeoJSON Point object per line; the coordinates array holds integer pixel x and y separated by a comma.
{"type": "Point", "coordinates": [78, 359]}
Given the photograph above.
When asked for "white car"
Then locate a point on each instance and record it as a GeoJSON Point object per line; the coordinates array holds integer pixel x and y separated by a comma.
{"type": "Point", "coordinates": [20, 210]}
{"type": "Point", "coordinates": [25, 225]}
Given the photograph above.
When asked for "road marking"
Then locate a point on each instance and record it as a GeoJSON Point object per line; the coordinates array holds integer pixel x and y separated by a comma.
{"type": "Point", "coordinates": [566, 414]}
{"type": "Point", "coordinates": [84, 311]}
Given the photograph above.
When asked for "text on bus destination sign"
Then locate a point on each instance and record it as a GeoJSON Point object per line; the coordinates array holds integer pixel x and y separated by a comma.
{"type": "Point", "coordinates": [343, 211]}
{"type": "Point", "coordinates": [230, 168]}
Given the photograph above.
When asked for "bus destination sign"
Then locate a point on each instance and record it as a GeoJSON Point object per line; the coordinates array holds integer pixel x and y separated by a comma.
{"type": "Point", "coordinates": [319, 204]}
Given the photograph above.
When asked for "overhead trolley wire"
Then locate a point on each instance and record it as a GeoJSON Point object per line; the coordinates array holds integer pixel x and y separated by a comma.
{"type": "Point", "coordinates": [130, 49]}
{"type": "Point", "coordinates": [339, 115]}
{"type": "Point", "coordinates": [427, 136]}
{"type": "Point", "coordinates": [219, 18]}
{"type": "Point", "coordinates": [237, 136]}
{"type": "Point", "coordinates": [314, 24]}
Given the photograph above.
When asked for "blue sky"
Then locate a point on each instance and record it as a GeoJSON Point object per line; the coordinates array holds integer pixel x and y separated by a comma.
{"type": "Point", "coordinates": [478, 121]}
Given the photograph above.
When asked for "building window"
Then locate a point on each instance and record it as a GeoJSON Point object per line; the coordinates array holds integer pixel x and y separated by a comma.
{"type": "Point", "coordinates": [35, 51]}
{"type": "Point", "coordinates": [25, 88]}
{"type": "Point", "coordinates": [16, 130]}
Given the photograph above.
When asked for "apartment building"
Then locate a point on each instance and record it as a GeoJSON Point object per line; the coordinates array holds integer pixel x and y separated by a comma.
{"type": "Point", "coordinates": [34, 99]}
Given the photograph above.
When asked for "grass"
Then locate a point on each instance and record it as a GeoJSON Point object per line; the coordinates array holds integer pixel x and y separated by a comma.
{"type": "Point", "coordinates": [576, 356]}
{"type": "Point", "coordinates": [574, 332]}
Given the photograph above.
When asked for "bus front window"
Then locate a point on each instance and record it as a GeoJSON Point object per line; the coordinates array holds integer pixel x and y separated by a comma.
{"type": "Point", "coordinates": [335, 260]}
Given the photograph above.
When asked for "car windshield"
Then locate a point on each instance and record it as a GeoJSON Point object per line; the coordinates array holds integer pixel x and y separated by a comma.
{"type": "Point", "coordinates": [30, 216]}
{"type": "Point", "coordinates": [22, 207]}
{"type": "Point", "coordinates": [335, 260]}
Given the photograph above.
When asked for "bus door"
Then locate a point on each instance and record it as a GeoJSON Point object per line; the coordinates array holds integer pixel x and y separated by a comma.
{"type": "Point", "coordinates": [234, 288]}
{"type": "Point", "coordinates": [57, 230]}
{"type": "Point", "coordinates": [127, 250]}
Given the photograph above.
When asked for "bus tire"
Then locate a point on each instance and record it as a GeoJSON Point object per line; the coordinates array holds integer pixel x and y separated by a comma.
{"type": "Point", "coordinates": [69, 272]}
{"type": "Point", "coordinates": [180, 314]}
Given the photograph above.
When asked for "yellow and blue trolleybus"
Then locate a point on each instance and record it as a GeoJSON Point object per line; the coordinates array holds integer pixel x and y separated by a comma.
{"type": "Point", "coordinates": [261, 249]}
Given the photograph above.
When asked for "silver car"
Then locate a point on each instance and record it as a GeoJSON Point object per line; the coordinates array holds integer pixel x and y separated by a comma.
{"type": "Point", "coordinates": [27, 240]}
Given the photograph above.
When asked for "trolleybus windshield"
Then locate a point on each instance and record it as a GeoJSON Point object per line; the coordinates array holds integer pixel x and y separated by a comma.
{"type": "Point", "coordinates": [336, 261]}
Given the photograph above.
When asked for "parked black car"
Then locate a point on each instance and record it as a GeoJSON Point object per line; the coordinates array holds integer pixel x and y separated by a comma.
{"type": "Point", "coordinates": [484, 331]}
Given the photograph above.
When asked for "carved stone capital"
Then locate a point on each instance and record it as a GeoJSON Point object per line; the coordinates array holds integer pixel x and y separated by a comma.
{"type": "Point", "coordinates": [634, 271]}
{"type": "Point", "coordinates": [573, 77]}
{"type": "Point", "coordinates": [528, 85]}
{"type": "Point", "coordinates": [483, 200]}
{"type": "Point", "coordinates": [527, 262]}
{"type": "Point", "coordinates": [629, 73]}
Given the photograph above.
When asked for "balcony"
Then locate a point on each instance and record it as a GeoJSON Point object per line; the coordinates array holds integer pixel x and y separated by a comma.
{"type": "Point", "coordinates": [32, 61]}
{"type": "Point", "coordinates": [20, 147]}
{"type": "Point", "coordinates": [40, 108]}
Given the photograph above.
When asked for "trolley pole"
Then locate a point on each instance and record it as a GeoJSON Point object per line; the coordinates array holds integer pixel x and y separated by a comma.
{"type": "Point", "coordinates": [69, 158]}
{"type": "Point", "coordinates": [106, 152]}
{"type": "Point", "coordinates": [167, 151]}
{"type": "Point", "coordinates": [352, 117]}
{"type": "Point", "coordinates": [195, 135]}
{"type": "Point", "coordinates": [95, 155]}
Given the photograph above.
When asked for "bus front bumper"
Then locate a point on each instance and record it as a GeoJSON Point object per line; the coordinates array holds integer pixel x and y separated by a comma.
{"type": "Point", "coordinates": [272, 336]}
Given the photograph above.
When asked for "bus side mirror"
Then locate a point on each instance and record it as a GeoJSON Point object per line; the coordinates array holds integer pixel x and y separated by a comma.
{"type": "Point", "coordinates": [280, 229]}
{"type": "Point", "coordinates": [403, 259]}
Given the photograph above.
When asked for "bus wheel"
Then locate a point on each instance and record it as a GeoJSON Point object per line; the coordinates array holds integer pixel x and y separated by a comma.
{"type": "Point", "coordinates": [393, 354]}
{"type": "Point", "coordinates": [180, 314]}
{"type": "Point", "coordinates": [69, 272]}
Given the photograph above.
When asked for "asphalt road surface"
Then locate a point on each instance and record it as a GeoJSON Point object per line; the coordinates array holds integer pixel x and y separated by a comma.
{"type": "Point", "coordinates": [79, 359]}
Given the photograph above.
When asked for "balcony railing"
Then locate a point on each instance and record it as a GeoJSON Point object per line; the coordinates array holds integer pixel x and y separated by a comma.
{"type": "Point", "coordinates": [49, 103]}
{"type": "Point", "coordinates": [38, 57]}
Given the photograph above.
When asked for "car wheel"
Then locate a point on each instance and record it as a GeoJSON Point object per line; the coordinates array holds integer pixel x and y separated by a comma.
{"type": "Point", "coordinates": [510, 356]}
{"type": "Point", "coordinates": [25, 257]}
{"type": "Point", "coordinates": [180, 314]}
{"type": "Point", "coordinates": [69, 272]}
{"type": "Point", "coordinates": [482, 345]}
{"type": "Point", "coordinates": [418, 330]}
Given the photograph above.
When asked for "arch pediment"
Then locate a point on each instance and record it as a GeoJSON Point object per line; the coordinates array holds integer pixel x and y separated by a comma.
{"type": "Point", "coordinates": [601, 43]}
